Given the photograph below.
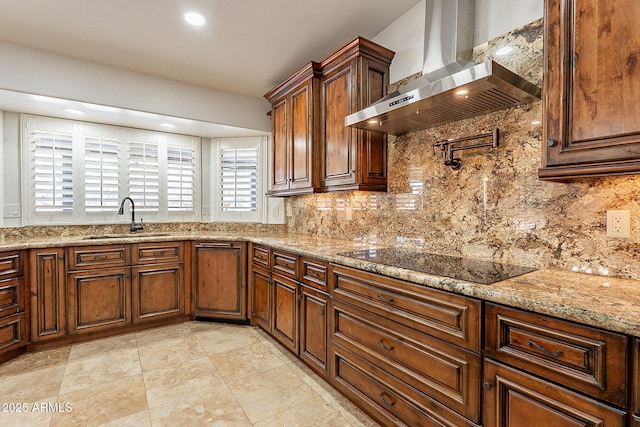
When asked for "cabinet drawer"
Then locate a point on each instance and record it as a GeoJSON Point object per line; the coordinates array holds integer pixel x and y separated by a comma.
{"type": "Point", "coordinates": [445, 315]}
{"type": "Point", "coordinates": [437, 369]}
{"type": "Point", "coordinates": [314, 273]}
{"type": "Point", "coordinates": [84, 257]}
{"type": "Point", "coordinates": [11, 264]}
{"type": "Point", "coordinates": [13, 332]}
{"type": "Point", "coordinates": [389, 400]}
{"type": "Point", "coordinates": [284, 263]}
{"type": "Point", "coordinates": [260, 255]}
{"type": "Point", "coordinates": [514, 399]}
{"type": "Point", "coordinates": [586, 359]}
{"type": "Point", "coordinates": [152, 253]}
{"type": "Point", "coordinates": [11, 296]}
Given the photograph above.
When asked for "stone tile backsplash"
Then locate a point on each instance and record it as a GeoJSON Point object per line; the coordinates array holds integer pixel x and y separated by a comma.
{"type": "Point", "coordinates": [494, 207]}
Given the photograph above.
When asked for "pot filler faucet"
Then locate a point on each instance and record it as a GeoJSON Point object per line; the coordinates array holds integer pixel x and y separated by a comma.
{"type": "Point", "coordinates": [134, 227]}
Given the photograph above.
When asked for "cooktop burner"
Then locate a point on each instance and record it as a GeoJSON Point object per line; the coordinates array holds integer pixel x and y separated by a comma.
{"type": "Point", "coordinates": [471, 270]}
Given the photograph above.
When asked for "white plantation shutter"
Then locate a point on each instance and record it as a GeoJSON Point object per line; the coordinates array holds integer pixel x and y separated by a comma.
{"type": "Point", "coordinates": [79, 172]}
{"type": "Point", "coordinates": [52, 172]}
{"type": "Point", "coordinates": [101, 174]}
{"type": "Point", "coordinates": [180, 177]}
{"type": "Point", "coordinates": [144, 175]}
{"type": "Point", "coordinates": [238, 180]}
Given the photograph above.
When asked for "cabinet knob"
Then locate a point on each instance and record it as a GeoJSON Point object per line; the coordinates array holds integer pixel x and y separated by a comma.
{"type": "Point", "coordinates": [487, 386]}
{"type": "Point", "coordinates": [551, 142]}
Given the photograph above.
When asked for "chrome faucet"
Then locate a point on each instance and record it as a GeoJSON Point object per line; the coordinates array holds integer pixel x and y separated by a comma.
{"type": "Point", "coordinates": [134, 227]}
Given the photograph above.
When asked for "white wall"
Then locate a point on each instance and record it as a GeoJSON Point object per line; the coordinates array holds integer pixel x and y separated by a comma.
{"type": "Point", "coordinates": [493, 18]}
{"type": "Point", "coordinates": [11, 165]}
{"type": "Point", "coordinates": [2, 178]}
{"type": "Point", "coordinates": [37, 72]}
{"type": "Point", "coordinates": [496, 17]}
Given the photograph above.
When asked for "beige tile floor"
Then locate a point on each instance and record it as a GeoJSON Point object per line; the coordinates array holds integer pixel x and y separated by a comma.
{"type": "Point", "coordinates": [190, 374]}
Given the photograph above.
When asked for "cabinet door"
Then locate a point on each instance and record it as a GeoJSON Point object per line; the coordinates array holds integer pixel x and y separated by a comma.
{"type": "Point", "coordinates": [98, 299]}
{"type": "Point", "coordinates": [157, 292]}
{"type": "Point", "coordinates": [220, 280]}
{"type": "Point", "coordinates": [339, 149]}
{"type": "Point", "coordinates": [372, 146]}
{"type": "Point", "coordinates": [313, 328]}
{"type": "Point", "coordinates": [515, 399]}
{"type": "Point", "coordinates": [47, 294]}
{"type": "Point", "coordinates": [280, 145]}
{"type": "Point", "coordinates": [260, 298]}
{"type": "Point", "coordinates": [592, 87]}
{"type": "Point", "coordinates": [302, 138]}
{"type": "Point", "coordinates": [285, 311]}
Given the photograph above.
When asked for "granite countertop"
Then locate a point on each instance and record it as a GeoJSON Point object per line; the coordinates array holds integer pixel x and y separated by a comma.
{"type": "Point", "coordinates": [601, 301]}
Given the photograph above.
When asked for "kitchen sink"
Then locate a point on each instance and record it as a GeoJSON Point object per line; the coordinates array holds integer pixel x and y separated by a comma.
{"type": "Point", "coordinates": [124, 236]}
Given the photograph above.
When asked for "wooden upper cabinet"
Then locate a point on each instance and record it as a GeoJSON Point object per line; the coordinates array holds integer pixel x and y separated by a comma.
{"type": "Point", "coordinates": [294, 121]}
{"type": "Point", "coordinates": [312, 149]}
{"type": "Point", "coordinates": [592, 88]}
{"type": "Point", "coordinates": [353, 78]}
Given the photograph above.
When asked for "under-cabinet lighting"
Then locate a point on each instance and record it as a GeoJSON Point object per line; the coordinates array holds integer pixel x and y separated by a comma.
{"type": "Point", "coordinates": [196, 19]}
{"type": "Point", "coordinates": [462, 92]}
{"type": "Point", "coordinates": [504, 51]}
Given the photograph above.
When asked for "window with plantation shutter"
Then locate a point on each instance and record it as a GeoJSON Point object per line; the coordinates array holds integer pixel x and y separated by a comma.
{"type": "Point", "coordinates": [144, 175]}
{"type": "Point", "coordinates": [101, 174]}
{"type": "Point", "coordinates": [77, 173]}
{"type": "Point", "coordinates": [238, 181]}
{"type": "Point", "coordinates": [180, 177]}
{"type": "Point", "coordinates": [52, 171]}
{"type": "Point", "coordinates": [239, 191]}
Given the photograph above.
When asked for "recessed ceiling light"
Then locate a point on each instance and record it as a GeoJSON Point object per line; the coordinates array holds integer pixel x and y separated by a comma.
{"type": "Point", "coordinates": [504, 51]}
{"type": "Point", "coordinates": [462, 92]}
{"type": "Point", "coordinates": [168, 125]}
{"type": "Point", "coordinates": [195, 18]}
{"type": "Point", "coordinates": [74, 112]}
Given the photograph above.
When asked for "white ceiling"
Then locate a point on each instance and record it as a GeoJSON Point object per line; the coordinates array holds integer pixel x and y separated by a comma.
{"type": "Point", "coordinates": [247, 47]}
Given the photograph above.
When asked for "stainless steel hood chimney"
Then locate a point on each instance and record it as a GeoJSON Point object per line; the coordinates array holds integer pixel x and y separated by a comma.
{"type": "Point", "coordinates": [451, 87]}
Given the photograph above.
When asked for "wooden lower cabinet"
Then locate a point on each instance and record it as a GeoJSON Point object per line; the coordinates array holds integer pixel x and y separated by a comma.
{"type": "Point", "coordinates": [635, 382]}
{"type": "Point", "coordinates": [314, 314]}
{"type": "Point", "coordinates": [98, 299]}
{"type": "Point", "coordinates": [285, 311]}
{"type": "Point", "coordinates": [220, 280]}
{"type": "Point", "coordinates": [157, 292]}
{"type": "Point", "coordinates": [48, 303]}
{"type": "Point", "coordinates": [260, 297]}
{"type": "Point", "coordinates": [383, 396]}
{"type": "Point", "coordinates": [13, 334]}
{"type": "Point", "coordinates": [515, 399]}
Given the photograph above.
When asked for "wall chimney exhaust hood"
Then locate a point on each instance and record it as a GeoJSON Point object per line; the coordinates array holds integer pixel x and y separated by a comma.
{"type": "Point", "coordinates": [451, 87]}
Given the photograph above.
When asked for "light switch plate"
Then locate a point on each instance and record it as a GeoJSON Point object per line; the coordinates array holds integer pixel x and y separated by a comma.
{"type": "Point", "coordinates": [619, 224]}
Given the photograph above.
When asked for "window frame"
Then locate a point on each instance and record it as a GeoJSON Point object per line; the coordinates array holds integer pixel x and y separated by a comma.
{"type": "Point", "coordinates": [260, 143]}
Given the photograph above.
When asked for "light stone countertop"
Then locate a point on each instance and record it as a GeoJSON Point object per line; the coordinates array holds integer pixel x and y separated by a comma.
{"type": "Point", "coordinates": [605, 302]}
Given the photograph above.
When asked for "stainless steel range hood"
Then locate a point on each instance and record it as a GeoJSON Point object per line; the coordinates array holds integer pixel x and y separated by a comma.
{"type": "Point", "coordinates": [451, 87]}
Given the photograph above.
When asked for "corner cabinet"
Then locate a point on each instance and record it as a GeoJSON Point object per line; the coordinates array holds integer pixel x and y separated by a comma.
{"type": "Point", "coordinates": [220, 280]}
{"type": "Point", "coordinates": [591, 89]}
{"type": "Point", "coordinates": [312, 150]}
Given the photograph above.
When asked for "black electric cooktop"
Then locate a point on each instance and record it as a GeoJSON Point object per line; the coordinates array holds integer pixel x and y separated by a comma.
{"type": "Point", "coordinates": [471, 270]}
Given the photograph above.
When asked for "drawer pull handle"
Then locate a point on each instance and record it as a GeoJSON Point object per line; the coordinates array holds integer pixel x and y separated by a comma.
{"type": "Point", "coordinates": [544, 350]}
{"type": "Point", "coordinates": [385, 401]}
{"type": "Point", "coordinates": [385, 299]}
{"type": "Point", "coordinates": [383, 345]}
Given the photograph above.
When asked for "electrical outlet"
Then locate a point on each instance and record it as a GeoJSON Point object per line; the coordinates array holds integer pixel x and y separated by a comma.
{"type": "Point", "coordinates": [619, 224]}
{"type": "Point", "coordinates": [206, 210]}
{"type": "Point", "coordinates": [11, 211]}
